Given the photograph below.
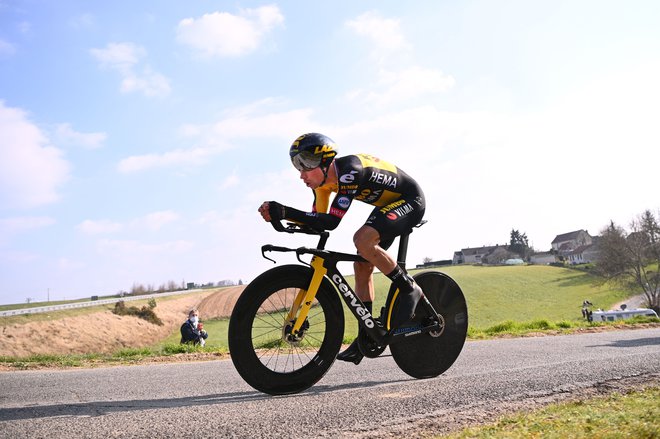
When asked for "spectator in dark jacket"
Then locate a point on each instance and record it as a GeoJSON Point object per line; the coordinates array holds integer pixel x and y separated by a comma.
{"type": "Point", "coordinates": [191, 330]}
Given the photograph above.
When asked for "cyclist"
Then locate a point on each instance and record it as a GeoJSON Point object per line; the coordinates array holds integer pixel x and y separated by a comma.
{"type": "Point", "coordinates": [399, 205]}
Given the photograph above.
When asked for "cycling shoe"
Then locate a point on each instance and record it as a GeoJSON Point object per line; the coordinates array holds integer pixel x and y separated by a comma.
{"type": "Point", "coordinates": [405, 305]}
{"type": "Point", "coordinates": [351, 354]}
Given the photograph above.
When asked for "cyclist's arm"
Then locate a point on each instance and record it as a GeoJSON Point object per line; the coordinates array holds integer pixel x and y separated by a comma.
{"type": "Point", "coordinates": [319, 218]}
{"type": "Point", "coordinates": [316, 220]}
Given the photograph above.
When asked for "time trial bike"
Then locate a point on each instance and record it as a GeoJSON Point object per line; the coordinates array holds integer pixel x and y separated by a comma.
{"type": "Point", "coordinates": [288, 324]}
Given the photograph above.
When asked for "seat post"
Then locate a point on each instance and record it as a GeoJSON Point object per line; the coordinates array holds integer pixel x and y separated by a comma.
{"type": "Point", "coordinates": [403, 246]}
{"type": "Point", "coordinates": [403, 250]}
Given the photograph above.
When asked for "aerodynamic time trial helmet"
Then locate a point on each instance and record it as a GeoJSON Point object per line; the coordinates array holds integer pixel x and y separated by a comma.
{"type": "Point", "coordinates": [311, 151]}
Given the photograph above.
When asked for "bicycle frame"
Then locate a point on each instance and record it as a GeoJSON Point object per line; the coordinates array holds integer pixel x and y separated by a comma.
{"type": "Point", "coordinates": [324, 263]}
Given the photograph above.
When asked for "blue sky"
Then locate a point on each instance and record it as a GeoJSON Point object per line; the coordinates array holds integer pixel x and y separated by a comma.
{"type": "Point", "coordinates": [137, 139]}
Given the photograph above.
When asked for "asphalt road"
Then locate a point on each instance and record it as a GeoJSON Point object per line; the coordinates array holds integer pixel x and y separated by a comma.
{"type": "Point", "coordinates": [208, 399]}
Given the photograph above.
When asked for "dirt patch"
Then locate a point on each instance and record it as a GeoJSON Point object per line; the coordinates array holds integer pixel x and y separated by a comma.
{"type": "Point", "coordinates": [220, 304]}
{"type": "Point", "coordinates": [105, 332]}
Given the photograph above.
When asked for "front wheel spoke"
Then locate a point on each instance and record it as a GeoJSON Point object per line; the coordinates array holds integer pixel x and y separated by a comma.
{"type": "Point", "coordinates": [274, 346]}
{"type": "Point", "coordinates": [276, 316]}
{"type": "Point", "coordinates": [312, 336]}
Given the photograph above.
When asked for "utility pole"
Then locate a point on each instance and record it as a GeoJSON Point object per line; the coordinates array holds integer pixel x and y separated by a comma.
{"type": "Point", "coordinates": [48, 297]}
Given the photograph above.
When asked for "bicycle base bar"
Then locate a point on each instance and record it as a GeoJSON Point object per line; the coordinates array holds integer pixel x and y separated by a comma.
{"type": "Point", "coordinates": [325, 254]}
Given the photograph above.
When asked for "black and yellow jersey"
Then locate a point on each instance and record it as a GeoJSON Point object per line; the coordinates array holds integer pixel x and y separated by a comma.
{"type": "Point", "coordinates": [360, 177]}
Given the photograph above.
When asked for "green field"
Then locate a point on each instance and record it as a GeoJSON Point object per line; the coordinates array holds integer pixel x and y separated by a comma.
{"type": "Point", "coordinates": [494, 295]}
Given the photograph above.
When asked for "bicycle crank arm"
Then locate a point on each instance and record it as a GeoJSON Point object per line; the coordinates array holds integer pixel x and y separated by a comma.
{"type": "Point", "coordinates": [434, 329]}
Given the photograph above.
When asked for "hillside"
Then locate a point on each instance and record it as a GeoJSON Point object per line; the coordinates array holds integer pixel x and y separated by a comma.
{"type": "Point", "coordinates": [494, 294]}
{"type": "Point", "coordinates": [101, 331]}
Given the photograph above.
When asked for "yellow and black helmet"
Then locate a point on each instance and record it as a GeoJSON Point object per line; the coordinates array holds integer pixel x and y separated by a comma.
{"type": "Point", "coordinates": [311, 151]}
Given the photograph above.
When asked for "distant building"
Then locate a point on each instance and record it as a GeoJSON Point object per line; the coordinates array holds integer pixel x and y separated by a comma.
{"type": "Point", "coordinates": [542, 258]}
{"type": "Point", "coordinates": [431, 264]}
{"type": "Point", "coordinates": [584, 254]}
{"type": "Point", "coordinates": [577, 247]}
{"type": "Point", "coordinates": [571, 241]}
{"type": "Point", "coordinates": [476, 255]}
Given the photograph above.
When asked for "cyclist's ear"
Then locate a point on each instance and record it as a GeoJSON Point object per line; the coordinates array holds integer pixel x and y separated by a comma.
{"type": "Point", "coordinates": [276, 210]}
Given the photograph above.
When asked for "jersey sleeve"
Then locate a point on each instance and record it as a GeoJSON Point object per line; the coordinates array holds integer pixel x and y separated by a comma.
{"type": "Point", "coordinates": [321, 200]}
{"type": "Point", "coordinates": [319, 218]}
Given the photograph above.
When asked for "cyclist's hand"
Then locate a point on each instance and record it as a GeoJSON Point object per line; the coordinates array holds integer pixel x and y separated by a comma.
{"type": "Point", "coordinates": [276, 211]}
{"type": "Point", "coordinates": [263, 210]}
{"type": "Point", "coordinates": [272, 211]}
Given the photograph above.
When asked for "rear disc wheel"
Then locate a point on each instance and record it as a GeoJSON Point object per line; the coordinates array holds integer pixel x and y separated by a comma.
{"type": "Point", "coordinates": [431, 354]}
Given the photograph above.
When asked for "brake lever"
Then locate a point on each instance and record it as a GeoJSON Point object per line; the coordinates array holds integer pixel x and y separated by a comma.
{"type": "Point", "coordinates": [270, 248]}
{"type": "Point", "coordinates": [267, 248]}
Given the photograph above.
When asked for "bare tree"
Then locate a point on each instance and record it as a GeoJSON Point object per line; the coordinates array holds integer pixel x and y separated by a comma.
{"type": "Point", "coordinates": [633, 259]}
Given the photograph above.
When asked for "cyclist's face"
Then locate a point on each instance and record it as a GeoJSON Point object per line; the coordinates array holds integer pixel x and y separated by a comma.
{"type": "Point", "coordinates": [312, 178]}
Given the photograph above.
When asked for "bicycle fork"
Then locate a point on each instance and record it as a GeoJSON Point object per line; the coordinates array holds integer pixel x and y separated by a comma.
{"type": "Point", "coordinates": [303, 301]}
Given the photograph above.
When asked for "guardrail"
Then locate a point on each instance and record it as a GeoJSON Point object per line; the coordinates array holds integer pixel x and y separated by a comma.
{"type": "Point", "coordinates": [40, 309]}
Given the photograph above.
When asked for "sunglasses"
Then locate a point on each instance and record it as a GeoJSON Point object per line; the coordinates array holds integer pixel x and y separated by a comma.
{"type": "Point", "coordinates": [306, 161]}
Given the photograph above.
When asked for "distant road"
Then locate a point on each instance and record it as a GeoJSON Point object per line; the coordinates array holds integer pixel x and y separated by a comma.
{"type": "Point", "coordinates": [39, 309]}
{"type": "Point", "coordinates": [374, 399]}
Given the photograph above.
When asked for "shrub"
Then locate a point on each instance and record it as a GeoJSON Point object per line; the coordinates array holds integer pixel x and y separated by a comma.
{"type": "Point", "coordinates": [146, 313]}
{"type": "Point", "coordinates": [539, 324]}
{"type": "Point", "coordinates": [186, 348]}
{"type": "Point", "coordinates": [132, 353]}
{"type": "Point", "coordinates": [501, 327]}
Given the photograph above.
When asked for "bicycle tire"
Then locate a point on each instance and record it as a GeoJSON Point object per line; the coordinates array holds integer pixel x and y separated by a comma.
{"type": "Point", "coordinates": [426, 356]}
{"type": "Point", "coordinates": [261, 354]}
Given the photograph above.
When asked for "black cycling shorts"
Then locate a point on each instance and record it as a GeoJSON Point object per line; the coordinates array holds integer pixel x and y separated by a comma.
{"type": "Point", "coordinates": [397, 218]}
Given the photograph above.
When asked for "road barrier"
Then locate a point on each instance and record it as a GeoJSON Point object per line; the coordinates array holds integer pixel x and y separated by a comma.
{"type": "Point", "coordinates": [40, 309]}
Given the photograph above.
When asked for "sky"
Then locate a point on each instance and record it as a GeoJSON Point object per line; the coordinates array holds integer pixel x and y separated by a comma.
{"type": "Point", "coordinates": [137, 139]}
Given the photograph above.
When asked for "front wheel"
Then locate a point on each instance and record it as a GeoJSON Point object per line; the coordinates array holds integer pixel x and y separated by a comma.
{"type": "Point", "coordinates": [262, 348]}
{"type": "Point", "coordinates": [428, 355]}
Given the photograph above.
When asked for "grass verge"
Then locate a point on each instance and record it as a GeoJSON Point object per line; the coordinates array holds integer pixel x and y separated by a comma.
{"type": "Point", "coordinates": [162, 353]}
{"type": "Point", "coordinates": [635, 414]}
{"type": "Point", "coordinates": [543, 326]}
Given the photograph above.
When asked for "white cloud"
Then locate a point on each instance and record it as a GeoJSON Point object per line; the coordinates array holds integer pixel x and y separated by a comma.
{"type": "Point", "coordinates": [230, 181]}
{"type": "Point", "coordinates": [401, 81]}
{"type": "Point", "coordinates": [397, 86]}
{"type": "Point", "coordinates": [65, 135]}
{"type": "Point", "coordinates": [124, 58]}
{"type": "Point", "coordinates": [6, 48]}
{"type": "Point", "coordinates": [66, 264]}
{"type": "Point", "coordinates": [178, 157]}
{"type": "Point", "coordinates": [153, 222]}
{"type": "Point", "coordinates": [149, 82]}
{"type": "Point", "coordinates": [136, 249]}
{"type": "Point", "coordinates": [225, 34]}
{"type": "Point", "coordinates": [25, 27]}
{"type": "Point", "coordinates": [119, 56]}
{"type": "Point", "coordinates": [156, 220]}
{"type": "Point", "coordinates": [277, 124]}
{"type": "Point", "coordinates": [31, 170]}
{"type": "Point", "coordinates": [16, 225]}
{"type": "Point", "coordinates": [215, 138]}
{"type": "Point", "coordinates": [91, 227]}
{"type": "Point", "coordinates": [385, 33]}
{"type": "Point", "coordinates": [82, 21]}
{"type": "Point", "coordinates": [18, 257]}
